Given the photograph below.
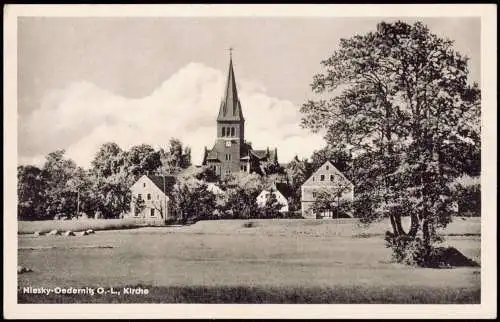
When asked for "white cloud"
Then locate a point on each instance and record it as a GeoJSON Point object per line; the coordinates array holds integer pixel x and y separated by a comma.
{"type": "Point", "coordinates": [82, 116]}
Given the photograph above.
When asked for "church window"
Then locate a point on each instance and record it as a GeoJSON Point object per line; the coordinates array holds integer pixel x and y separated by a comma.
{"type": "Point", "coordinates": [232, 131]}
{"type": "Point", "coordinates": [152, 212]}
{"type": "Point", "coordinates": [223, 131]}
{"type": "Point", "coordinates": [149, 196]}
{"type": "Point", "coordinates": [322, 177]}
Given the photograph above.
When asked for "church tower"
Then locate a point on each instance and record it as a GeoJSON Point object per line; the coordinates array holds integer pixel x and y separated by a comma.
{"type": "Point", "coordinates": [230, 121]}
{"type": "Point", "coordinates": [230, 127]}
{"type": "Point", "coordinates": [231, 153]}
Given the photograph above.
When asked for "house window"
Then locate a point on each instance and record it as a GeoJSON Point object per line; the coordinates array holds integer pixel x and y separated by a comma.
{"type": "Point", "coordinates": [144, 185]}
{"type": "Point", "coordinates": [157, 196]}
{"type": "Point", "coordinates": [139, 196]}
{"type": "Point", "coordinates": [313, 179]}
{"type": "Point", "coordinates": [244, 167]}
{"type": "Point", "coordinates": [327, 168]}
{"type": "Point", "coordinates": [331, 177]}
{"type": "Point", "coordinates": [223, 131]}
{"type": "Point", "coordinates": [149, 196]}
{"type": "Point", "coordinates": [314, 194]}
{"type": "Point", "coordinates": [228, 157]}
{"type": "Point", "coordinates": [322, 177]}
{"type": "Point", "coordinates": [232, 131]}
{"type": "Point", "coordinates": [152, 212]}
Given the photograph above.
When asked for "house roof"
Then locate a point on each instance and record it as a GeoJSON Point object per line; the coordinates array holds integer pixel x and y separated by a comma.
{"type": "Point", "coordinates": [165, 186]}
{"type": "Point", "coordinates": [332, 168]}
{"type": "Point", "coordinates": [246, 152]}
{"type": "Point", "coordinates": [282, 187]}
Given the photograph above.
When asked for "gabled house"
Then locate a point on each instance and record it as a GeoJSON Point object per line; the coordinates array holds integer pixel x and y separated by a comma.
{"type": "Point", "coordinates": [327, 177]}
{"type": "Point", "coordinates": [151, 198]}
{"type": "Point", "coordinates": [282, 193]}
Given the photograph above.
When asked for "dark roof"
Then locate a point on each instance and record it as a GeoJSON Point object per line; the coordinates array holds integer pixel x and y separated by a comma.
{"type": "Point", "coordinates": [282, 187]}
{"type": "Point", "coordinates": [246, 153]}
{"type": "Point", "coordinates": [261, 154]}
{"type": "Point", "coordinates": [158, 181]}
{"type": "Point", "coordinates": [230, 107]}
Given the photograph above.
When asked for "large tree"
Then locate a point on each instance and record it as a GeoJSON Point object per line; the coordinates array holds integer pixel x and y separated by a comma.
{"type": "Point", "coordinates": [175, 158]}
{"type": "Point", "coordinates": [192, 200]}
{"type": "Point", "coordinates": [142, 159]}
{"type": "Point", "coordinates": [400, 103]}
{"type": "Point", "coordinates": [31, 186]}
{"type": "Point", "coordinates": [60, 195]}
{"type": "Point", "coordinates": [109, 160]}
{"type": "Point", "coordinates": [113, 171]}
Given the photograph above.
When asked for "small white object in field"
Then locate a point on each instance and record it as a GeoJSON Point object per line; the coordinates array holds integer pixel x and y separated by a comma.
{"type": "Point", "coordinates": [90, 231]}
{"type": "Point", "coordinates": [22, 269]}
{"type": "Point", "coordinates": [53, 232]}
{"type": "Point", "coordinates": [69, 233]}
{"type": "Point", "coordinates": [37, 233]}
{"type": "Point", "coordinates": [82, 233]}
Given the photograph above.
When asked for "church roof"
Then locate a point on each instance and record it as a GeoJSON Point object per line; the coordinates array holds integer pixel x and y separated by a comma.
{"type": "Point", "coordinates": [261, 154]}
{"type": "Point", "coordinates": [230, 107]}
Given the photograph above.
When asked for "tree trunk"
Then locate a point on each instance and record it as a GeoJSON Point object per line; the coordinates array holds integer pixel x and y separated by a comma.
{"type": "Point", "coordinates": [393, 224]}
{"type": "Point", "coordinates": [426, 233]}
{"type": "Point", "coordinates": [414, 225]}
{"type": "Point", "coordinates": [399, 226]}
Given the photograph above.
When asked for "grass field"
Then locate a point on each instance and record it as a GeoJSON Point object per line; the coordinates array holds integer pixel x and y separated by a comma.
{"type": "Point", "coordinates": [44, 226]}
{"type": "Point", "coordinates": [276, 261]}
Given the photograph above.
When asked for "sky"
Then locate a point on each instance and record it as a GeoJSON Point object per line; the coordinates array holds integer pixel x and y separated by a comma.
{"type": "Point", "coordinates": [86, 81]}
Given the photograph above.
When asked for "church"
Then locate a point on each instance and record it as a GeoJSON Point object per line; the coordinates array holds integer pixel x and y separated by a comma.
{"type": "Point", "coordinates": [231, 152]}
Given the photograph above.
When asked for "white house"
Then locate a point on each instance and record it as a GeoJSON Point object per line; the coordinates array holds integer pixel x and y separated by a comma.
{"type": "Point", "coordinates": [151, 198]}
{"type": "Point", "coordinates": [280, 191]}
{"type": "Point", "coordinates": [326, 177]}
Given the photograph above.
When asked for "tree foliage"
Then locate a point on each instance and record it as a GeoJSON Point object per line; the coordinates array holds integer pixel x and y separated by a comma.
{"type": "Point", "coordinates": [192, 200]}
{"type": "Point", "coordinates": [61, 189]}
{"type": "Point", "coordinates": [31, 188]}
{"type": "Point", "coordinates": [398, 99]}
{"type": "Point", "coordinates": [175, 158]}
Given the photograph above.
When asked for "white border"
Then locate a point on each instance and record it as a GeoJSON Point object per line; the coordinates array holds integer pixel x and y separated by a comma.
{"type": "Point", "coordinates": [487, 308]}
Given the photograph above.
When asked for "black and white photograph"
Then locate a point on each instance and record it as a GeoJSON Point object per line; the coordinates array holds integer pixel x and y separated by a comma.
{"type": "Point", "coordinates": [217, 156]}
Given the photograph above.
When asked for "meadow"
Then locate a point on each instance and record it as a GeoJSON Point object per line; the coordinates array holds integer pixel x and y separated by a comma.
{"type": "Point", "coordinates": [231, 261]}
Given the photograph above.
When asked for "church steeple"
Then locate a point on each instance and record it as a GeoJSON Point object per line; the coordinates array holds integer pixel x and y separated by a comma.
{"type": "Point", "coordinates": [230, 107]}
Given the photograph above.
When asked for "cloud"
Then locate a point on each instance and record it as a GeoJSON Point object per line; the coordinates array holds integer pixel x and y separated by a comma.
{"type": "Point", "coordinates": [82, 116]}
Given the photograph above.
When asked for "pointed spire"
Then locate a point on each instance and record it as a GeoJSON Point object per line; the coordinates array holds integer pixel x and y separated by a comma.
{"type": "Point", "coordinates": [230, 108]}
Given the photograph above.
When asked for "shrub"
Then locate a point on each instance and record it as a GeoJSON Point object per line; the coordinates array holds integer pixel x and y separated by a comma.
{"type": "Point", "coordinates": [250, 224]}
{"type": "Point", "coordinates": [406, 249]}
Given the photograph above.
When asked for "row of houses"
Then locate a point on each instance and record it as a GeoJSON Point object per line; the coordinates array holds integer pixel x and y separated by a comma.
{"type": "Point", "coordinates": [155, 192]}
